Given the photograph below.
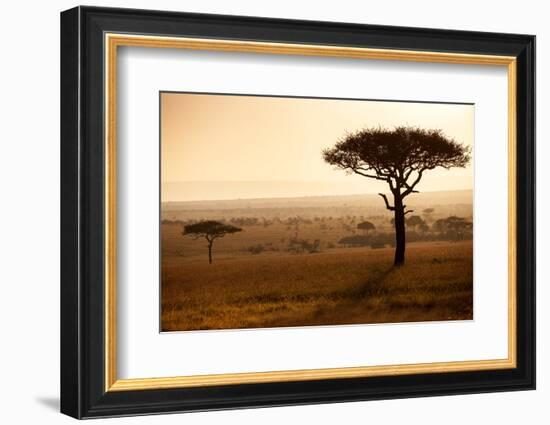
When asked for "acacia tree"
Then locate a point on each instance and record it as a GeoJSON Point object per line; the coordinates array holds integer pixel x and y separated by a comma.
{"type": "Point", "coordinates": [457, 227]}
{"type": "Point", "coordinates": [414, 221]}
{"type": "Point", "coordinates": [399, 157]}
{"type": "Point", "coordinates": [210, 230]}
{"type": "Point", "coordinates": [428, 211]}
{"type": "Point", "coordinates": [366, 226]}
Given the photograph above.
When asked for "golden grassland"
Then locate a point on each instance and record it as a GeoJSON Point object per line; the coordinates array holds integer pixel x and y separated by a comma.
{"type": "Point", "coordinates": [333, 287]}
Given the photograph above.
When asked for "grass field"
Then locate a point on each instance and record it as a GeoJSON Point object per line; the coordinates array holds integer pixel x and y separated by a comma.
{"type": "Point", "coordinates": [332, 287]}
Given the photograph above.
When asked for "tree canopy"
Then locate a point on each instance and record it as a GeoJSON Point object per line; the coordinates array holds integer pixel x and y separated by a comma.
{"type": "Point", "coordinates": [414, 221]}
{"type": "Point", "coordinates": [366, 225]}
{"type": "Point", "coordinates": [456, 227]}
{"type": "Point", "coordinates": [210, 230]}
{"type": "Point", "coordinates": [452, 223]}
{"type": "Point", "coordinates": [397, 155]}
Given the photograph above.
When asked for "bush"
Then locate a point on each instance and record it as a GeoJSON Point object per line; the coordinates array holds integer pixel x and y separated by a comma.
{"type": "Point", "coordinates": [301, 245]}
{"type": "Point", "coordinates": [355, 240]}
{"type": "Point", "coordinates": [256, 249]}
{"type": "Point", "coordinates": [380, 240]}
{"type": "Point", "coordinates": [377, 240]}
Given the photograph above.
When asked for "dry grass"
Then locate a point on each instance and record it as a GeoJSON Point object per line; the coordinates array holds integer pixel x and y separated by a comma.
{"type": "Point", "coordinates": [340, 286]}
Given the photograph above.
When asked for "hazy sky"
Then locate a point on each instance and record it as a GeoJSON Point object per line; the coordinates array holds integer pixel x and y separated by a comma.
{"type": "Point", "coordinates": [249, 146]}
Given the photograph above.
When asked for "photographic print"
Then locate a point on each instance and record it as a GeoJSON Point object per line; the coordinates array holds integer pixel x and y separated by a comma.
{"type": "Point", "coordinates": [288, 211]}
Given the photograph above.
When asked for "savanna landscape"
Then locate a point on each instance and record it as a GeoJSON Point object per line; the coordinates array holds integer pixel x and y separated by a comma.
{"type": "Point", "coordinates": [306, 261]}
{"type": "Point", "coordinates": [286, 212]}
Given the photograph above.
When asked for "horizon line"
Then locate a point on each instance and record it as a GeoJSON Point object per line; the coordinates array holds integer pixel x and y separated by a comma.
{"type": "Point", "coordinates": [309, 196]}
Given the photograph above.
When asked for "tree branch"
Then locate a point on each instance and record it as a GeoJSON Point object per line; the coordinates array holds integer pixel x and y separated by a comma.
{"type": "Point", "coordinates": [392, 186]}
{"type": "Point", "coordinates": [388, 206]}
{"type": "Point", "coordinates": [410, 187]}
{"type": "Point", "coordinates": [356, 171]}
{"type": "Point", "coordinates": [408, 211]}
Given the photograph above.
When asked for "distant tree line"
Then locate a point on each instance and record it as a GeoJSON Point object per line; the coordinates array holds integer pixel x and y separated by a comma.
{"type": "Point", "coordinates": [450, 229]}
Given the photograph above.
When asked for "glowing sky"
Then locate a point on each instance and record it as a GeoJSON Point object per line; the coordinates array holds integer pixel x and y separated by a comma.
{"type": "Point", "coordinates": [250, 146]}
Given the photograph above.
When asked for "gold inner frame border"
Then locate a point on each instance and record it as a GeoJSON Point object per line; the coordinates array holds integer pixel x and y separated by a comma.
{"type": "Point", "coordinates": [112, 41]}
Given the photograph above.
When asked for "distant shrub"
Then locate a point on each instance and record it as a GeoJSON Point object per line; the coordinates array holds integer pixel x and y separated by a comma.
{"type": "Point", "coordinates": [245, 221]}
{"type": "Point", "coordinates": [355, 240]}
{"type": "Point", "coordinates": [454, 228]}
{"type": "Point", "coordinates": [377, 244]}
{"type": "Point", "coordinates": [304, 245]}
{"type": "Point", "coordinates": [366, 226]}
{"type": "Point", "coordinates": [256, 249]}
{"type": "Point", "coordinates": [376, 240]}
{"type": "Point", "coordinates": [380, 240]}
{"type": "Point", "coordinates": [414, 221]}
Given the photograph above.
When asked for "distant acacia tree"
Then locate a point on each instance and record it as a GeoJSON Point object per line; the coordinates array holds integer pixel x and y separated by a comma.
{"type": "Point", "coordinates": [414, 221]}
{"type": "Point", "coordinates": [423, 227]}
{"type": "Point", "coordinates": [366, 226]}
{"type": "Point", "coordinates": [399, 157]}
{"type": "Point", "coordinates": [210, 230]}
{"type": "Point", "coordinates": [457, 227]}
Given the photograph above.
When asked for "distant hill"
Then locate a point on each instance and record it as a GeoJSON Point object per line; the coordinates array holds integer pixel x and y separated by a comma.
{"type": "Point", "coordinates": [425, 199]}
{"type": "Point", "coordinates": [222, 190]}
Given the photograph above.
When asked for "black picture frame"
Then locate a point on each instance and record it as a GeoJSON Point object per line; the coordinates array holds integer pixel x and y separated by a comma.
{"type": "Point", "coordinates": [83, 392]}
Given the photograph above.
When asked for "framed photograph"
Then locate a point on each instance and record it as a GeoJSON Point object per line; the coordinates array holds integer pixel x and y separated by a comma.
{"type": "Point", "coordinates": [261, 212]}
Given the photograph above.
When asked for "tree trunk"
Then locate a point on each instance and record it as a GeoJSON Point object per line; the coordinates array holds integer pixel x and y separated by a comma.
{"type": "Point", "coordinates": [209, 252]}
{"type": "Point", "coordinates": [399, 231]}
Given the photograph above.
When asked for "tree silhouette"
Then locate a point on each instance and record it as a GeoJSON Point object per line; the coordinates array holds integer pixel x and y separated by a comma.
{"type": "Point", "coordinates": [399, 157]}
{"type": "Point", "coordinates": [366, 225]}
{"type": "Point", "coordinates": [210, 230]}
{"type": "Point", "coordinates": [423, 227]}
{"type": "Point", "coordinates": [414, 221]}
{"type": "Point", "coordinates": [456, 227]}
{"type": "Point", "coordinates": [428, 213]}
